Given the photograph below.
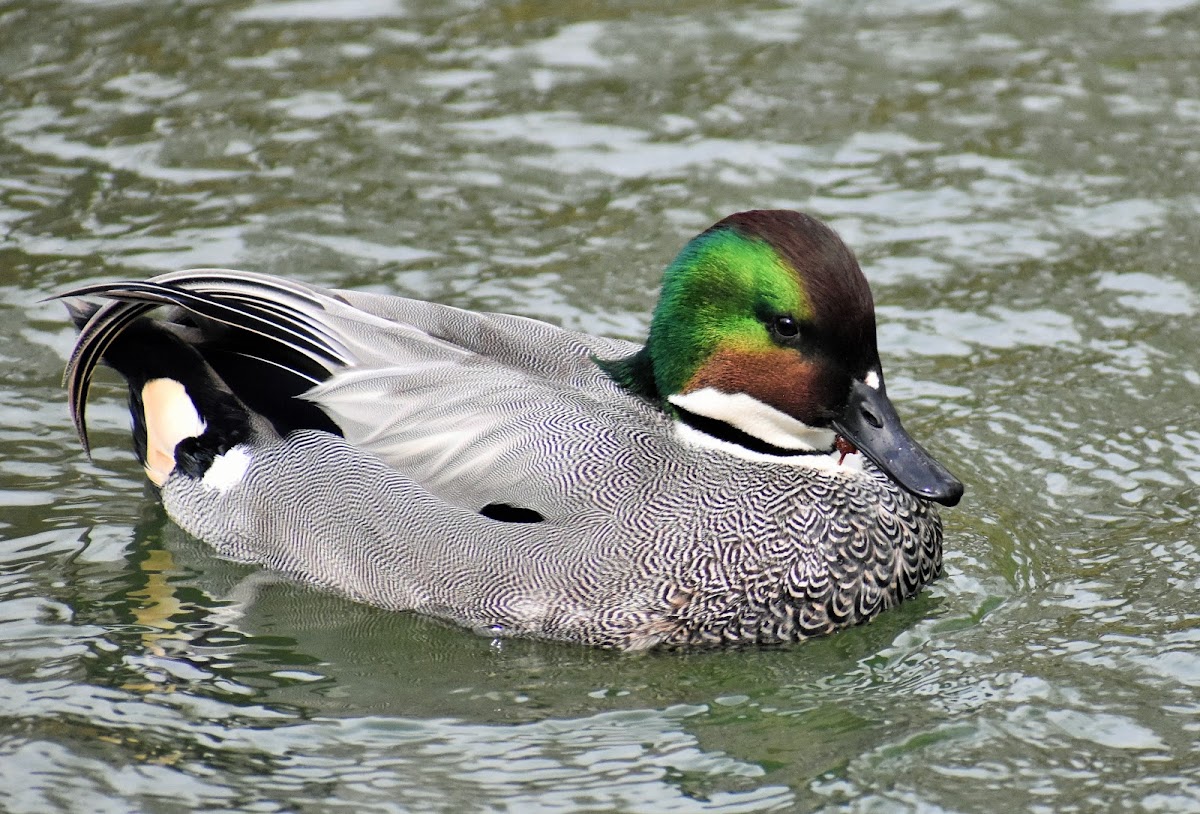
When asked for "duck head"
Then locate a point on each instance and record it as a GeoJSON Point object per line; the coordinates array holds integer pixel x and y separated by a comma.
{"type": "Point", "coordinates": [764, 335]}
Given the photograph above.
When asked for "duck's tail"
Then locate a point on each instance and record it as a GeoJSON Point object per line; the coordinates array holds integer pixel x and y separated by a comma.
{"type": "Point", "coordinates": [233, 346]}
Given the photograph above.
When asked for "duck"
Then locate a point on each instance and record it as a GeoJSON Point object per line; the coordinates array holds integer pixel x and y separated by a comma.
{"type": "Point", "coordinates": [741, 478]}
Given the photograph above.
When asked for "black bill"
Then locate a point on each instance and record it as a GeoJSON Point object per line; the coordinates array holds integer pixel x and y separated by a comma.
{"type": "Point", "coordinates": [871, 424]}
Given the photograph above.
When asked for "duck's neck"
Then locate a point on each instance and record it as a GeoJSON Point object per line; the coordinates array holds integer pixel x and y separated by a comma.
{"type": "Point", "coordinates": [636, 374]}
{"type": "Point", "coordinates": [733, 421]}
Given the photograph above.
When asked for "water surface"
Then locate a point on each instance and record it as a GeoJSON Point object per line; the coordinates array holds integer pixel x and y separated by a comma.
{"type": "Point", "coordinates": [1022, 185]}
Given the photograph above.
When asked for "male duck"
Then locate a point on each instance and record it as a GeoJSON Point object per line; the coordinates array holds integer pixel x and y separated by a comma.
{"type": "Point", "coordinates": [522, 479]}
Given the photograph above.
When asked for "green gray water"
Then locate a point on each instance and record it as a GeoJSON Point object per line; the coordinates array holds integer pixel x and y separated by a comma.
{"type": "Point", "coordinates": [1022, 184]}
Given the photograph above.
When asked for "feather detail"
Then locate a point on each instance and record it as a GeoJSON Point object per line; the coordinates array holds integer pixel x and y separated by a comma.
{"type": "Point", "coordinates": [170, 417]}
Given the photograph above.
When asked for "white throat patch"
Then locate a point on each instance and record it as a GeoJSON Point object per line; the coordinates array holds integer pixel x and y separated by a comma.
{"type": "Point", "coordinates": [832, 462]}
{"type": "Point", "coordinates": [756, 418]}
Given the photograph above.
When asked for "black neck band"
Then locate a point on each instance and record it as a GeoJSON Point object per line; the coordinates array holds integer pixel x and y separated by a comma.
{"type": "Point", "coordinates": [731, 434]}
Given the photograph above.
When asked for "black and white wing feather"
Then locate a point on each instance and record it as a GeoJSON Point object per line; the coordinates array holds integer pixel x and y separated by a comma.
{"type": "Point", "coordinates": [451, 398]}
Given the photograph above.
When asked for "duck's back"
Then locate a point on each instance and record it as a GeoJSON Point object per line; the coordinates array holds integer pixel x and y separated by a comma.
{"type": "Point", "coordinates": [484, 409]}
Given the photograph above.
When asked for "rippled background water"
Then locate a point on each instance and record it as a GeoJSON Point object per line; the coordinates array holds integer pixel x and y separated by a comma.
{"type": "Point", "coordinates": [1022, 183]}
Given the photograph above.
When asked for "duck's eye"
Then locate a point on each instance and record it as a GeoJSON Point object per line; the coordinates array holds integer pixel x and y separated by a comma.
{"type": "Point", "coordinates": [786, 326]}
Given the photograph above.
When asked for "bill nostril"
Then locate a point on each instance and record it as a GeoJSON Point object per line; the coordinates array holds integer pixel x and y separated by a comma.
{"type": "Point", "coordinates": [872, 419]}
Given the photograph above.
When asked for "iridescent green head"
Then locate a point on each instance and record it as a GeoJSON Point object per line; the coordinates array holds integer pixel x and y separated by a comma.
{"type": "Point", "coordinates": [764, 290]}
{"type": "Point", "coordinates": [764, 338]}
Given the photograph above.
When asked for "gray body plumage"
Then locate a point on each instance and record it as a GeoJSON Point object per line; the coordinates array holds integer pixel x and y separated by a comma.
{"type": "Point", "coordinates": [647, 538]}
